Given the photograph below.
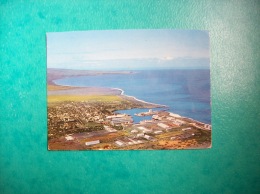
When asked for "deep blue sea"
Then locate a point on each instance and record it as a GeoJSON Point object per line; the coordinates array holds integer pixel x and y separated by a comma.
{"type": "Point", "coordinates": [185, 92]}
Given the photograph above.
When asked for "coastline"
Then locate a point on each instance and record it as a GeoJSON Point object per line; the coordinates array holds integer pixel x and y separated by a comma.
{"type": "Point", "coordinates": [87, 91]}
{"type": "Point", "coordinates": [136, 99]}
{"type": "Point", "coordinates": [55, 74]}
{"type": "Point", "coordinates": [59, 90]}
{"type": "Point", "coordinates": [78, 117]}
{"type": "Point", "coordinates": [98, 91]}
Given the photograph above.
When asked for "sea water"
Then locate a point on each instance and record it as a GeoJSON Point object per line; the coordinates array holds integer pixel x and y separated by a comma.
{"type": "Point", "coordinates": [185, 92]}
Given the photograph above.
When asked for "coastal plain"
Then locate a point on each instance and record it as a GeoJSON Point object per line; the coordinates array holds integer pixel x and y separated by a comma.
{"type": "Point", "coordinates": [85, 118]}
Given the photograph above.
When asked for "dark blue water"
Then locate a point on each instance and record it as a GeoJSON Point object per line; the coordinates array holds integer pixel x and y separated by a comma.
{"type": "Point", "coordinates": [185, 92]}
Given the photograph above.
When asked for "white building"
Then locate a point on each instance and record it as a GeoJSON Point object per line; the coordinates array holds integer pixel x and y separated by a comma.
{"type": "Point", "coordinates": [119, 143]}
{"type": "Point", "coordinates": [140, 135]}
{"type": "Point", "coordinates": [109, 129]}
{"type": "Point", "coordinates": [156, 117]}
{"type": "Point", "coordinates": [145, 121]}
{"type": "Point", "coordinates": [185, 129]}
{"type": "Point", "coordinates": [174, 115]}
{"type": "Point", "coordinates": [164, 126]}
{"type": "Point", "coordinates": [116, 116]}
{"type": "Point", "coordinates": [144, 129]}
{"type": "Point", "coordinates": [133, 141]}
{"type": "Point", "coordinates": [88, 143]}
{"type": "Point", "coordinates": [170, 119]}
{"type": "Point", "coordinates": [147, 137]}
{"type": "Point", "coordinates": [180, 121]}
{"type": "Point", "coordinates": [69, 138]}
{"type": "Point", "coordinates": [207, 126]}
{"type": "Point", "coordinates": [134, 131]}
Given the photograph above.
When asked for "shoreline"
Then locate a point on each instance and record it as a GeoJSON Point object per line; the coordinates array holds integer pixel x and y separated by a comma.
{"type": "Point", "coordinates": [85, 91]}
{"type": "Point", "coordinates": [55, 74]}
{"type": "Point", "coordinates": [104, 89]}
{"type": "Point", "coordinates": [111, 91]}
{"type": "Point", "coordinates": [133, 97]}
{"type": "Point", "coordinates": [126, 97]}
{"type": "Point", "coordinates": [62, 73]}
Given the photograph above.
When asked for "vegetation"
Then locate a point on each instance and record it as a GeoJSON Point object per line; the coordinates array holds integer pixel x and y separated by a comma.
{"type": "Point", "coordinates": [93, 126]}
{"type": "Point", "coordinates": [78, 98]}
{"type": "Point", "coordinates": [56, 87]}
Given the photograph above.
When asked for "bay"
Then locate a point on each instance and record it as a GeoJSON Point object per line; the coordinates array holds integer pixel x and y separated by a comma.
{"type": "Point", "coordinates": [185, 92]}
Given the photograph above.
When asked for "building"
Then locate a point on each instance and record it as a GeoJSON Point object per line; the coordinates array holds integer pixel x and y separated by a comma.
{"type": "Point", "coordinates": [185, 129]}
{"type": "Point", "coordinates": [170, 119]}
{"type": "Point", "coordinates": [147, 137]}
{"type": "Point", "coordinates": [134, 131]}
{"type": "Point", "coordinates": [146, 121]}
{"type": "Point", "coordinates": [116, 116]}
{"type": "Point", "coordinates": [140, 135]}
{"type": "Point", "coordinates": [88, 143]}
{"type": "Point", "coordinates": [180, 121]}
{"type": "Point", "coordinates": [156, 117]}
{"type": "Point", "coordinates": [69, 138]}
{"type": "Point", "coordinates": [144, 129]}
{"type": "Point", "coordinates": [164, 126]}
{"type": "Point", "coordinates": [109, 129]}
{"type": "Point", "coordinates": [117, 120]}
{"type": "Point", "coordinates": [174, 115]}
{"type": "Point", "coordinates": [119, 143]}
{"type": "Point", "coordinates": [207, 126]}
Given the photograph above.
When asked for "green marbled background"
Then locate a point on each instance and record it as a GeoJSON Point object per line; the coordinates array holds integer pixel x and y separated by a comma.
{"type": "Point", "coordinates": [231, 166]}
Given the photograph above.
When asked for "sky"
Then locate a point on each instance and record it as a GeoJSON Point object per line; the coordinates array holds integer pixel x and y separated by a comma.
{"type": "Point", "coordinates": [128, 49]}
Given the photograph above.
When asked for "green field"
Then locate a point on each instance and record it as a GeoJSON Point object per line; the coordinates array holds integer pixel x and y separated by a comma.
{"type": "Point", "coordinates": [79, 98]}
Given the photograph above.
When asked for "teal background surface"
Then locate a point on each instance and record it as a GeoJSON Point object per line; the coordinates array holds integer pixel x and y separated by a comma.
{"type": "Point", "coordinates": [230, 166]}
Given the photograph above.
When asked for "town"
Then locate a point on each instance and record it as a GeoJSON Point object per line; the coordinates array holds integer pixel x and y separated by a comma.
{"type": "Point", "coordinates": [95, 126]}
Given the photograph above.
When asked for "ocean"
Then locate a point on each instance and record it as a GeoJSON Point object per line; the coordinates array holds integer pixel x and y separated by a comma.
{"type": "Point", "coordinates": [185, 92]}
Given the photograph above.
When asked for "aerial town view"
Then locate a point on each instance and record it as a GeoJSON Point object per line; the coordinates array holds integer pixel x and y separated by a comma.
{"type": "Point", "coordinates": [122, 96]}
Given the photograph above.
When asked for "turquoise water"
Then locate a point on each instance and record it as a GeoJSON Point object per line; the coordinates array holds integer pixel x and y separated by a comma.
{"type": "Point", "coordinates": [230, 166]}
{"type": "Point", "coordinates": [185, 92]}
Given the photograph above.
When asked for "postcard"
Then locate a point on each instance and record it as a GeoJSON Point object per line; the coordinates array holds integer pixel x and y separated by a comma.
{"type": "Point", "coordinates": [128, 90]}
